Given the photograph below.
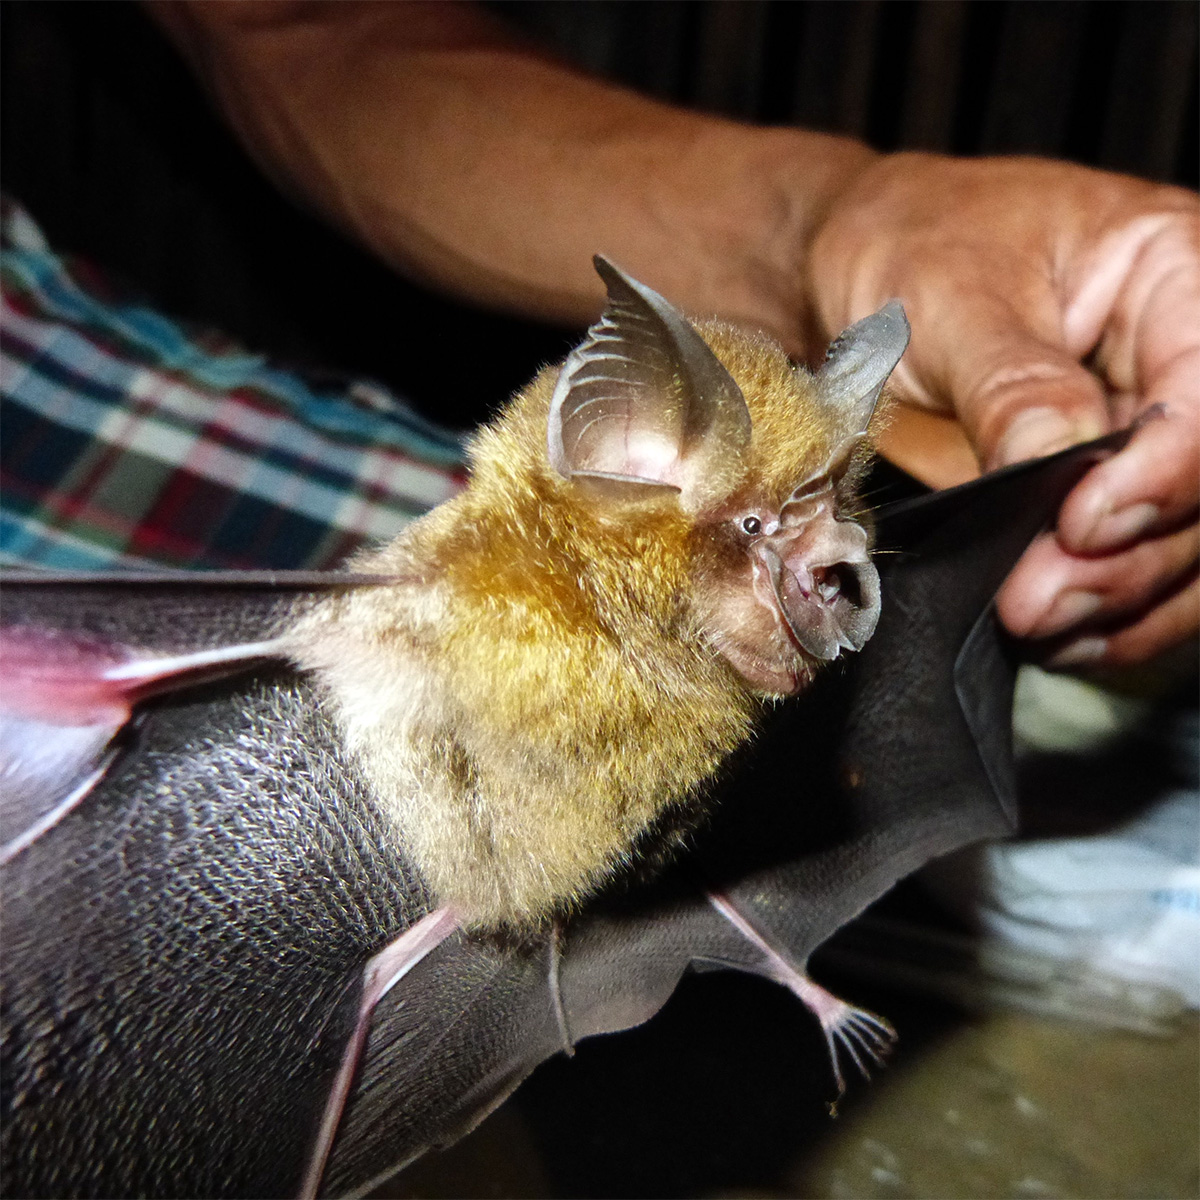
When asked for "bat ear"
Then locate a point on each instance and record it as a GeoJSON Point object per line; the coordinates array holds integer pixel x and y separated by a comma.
{"type": "Point", "coordinates": [643, 401]}
{"type": "Point", "coordinates": [857, 365]}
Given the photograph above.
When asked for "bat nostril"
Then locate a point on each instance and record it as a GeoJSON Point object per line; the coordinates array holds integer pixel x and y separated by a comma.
{"type": "Point", "coordinates": [851, 586]}
{"type": "Point", "coordinates": [838, 579]}
{"type": "Point", "coordinates": [825, 583]}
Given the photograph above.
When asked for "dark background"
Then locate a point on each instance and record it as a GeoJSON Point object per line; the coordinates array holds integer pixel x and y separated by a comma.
{"type": "Point", "coordinates": [113, 148]}
{"type": "Point", "coordinates": [110, 144]}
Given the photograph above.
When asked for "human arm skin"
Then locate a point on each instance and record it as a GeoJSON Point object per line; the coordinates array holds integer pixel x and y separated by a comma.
{"type": "Point", "coordinates": [475, 161]}
{"type": "Point", "coordinates": [471, 159]}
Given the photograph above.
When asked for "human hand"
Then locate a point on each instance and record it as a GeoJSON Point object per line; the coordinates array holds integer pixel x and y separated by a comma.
{"type": "Point", "coordinates": [1049, 304]}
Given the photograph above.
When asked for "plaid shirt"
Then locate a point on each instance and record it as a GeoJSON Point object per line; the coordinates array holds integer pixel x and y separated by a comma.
{"type": "Point", "coordinates": [129, 440]}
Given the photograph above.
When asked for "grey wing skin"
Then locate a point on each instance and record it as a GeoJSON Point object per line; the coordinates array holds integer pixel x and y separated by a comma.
{"type": "Point", "coordinates": [183, 954]}
{"type": "Point", "coordinates": [172, 611]}
{"type": "Point", "coordinates": [495, 1009]}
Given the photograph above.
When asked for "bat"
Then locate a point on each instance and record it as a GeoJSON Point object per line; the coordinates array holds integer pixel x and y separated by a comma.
{"type": "Point", "coordinates": [906, 755]}
{"type": "Point", "coordinates": [193, 885]}
{"type": "Point", "coordinates": [656, 535]}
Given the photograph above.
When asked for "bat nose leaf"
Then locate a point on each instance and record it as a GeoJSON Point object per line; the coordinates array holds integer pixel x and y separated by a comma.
{"type": "Point", "coordinates": [827, 609]}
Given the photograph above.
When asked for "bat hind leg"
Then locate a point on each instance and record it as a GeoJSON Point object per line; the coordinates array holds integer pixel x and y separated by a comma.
{"type": "Point", "coordinates": [557, 938]}
{"type": "Point", "coordinates": [380, 974]}
{"type": "Point", "coordinates": [861, 1035]}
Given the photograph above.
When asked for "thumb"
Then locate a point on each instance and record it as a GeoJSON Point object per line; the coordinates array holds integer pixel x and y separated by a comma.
{"type": "Point", "coordinates": [1017, 395]}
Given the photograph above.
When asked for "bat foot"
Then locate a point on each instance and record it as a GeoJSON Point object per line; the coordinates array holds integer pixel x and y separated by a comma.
{"type": "Point", "coordinates": [861, 1035]}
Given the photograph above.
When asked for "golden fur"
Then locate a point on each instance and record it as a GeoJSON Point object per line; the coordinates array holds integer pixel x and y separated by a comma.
{"type": "Point", "coordinates": [538, 688]}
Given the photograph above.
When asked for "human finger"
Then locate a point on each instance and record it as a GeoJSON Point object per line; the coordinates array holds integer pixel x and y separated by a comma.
{"type": "Point", "coordinates": [1051, 592]}
{"type": "Point", "coordinates": [1138, 305]}
{"type": "Point", "coordinates": [1166, 625]}
{"type": "Point", "coordinates": [1017, 393]}
{"type": "Point", "coordinates": [1152, 483]}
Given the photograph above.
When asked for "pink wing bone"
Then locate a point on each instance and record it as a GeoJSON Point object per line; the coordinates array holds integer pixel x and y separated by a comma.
{"type": "Point", "coordinates": [64, 696]}
{"type": "Point", "coordinates": [68, 678]}
{"type": "Point", "coordinates": [381, 973]}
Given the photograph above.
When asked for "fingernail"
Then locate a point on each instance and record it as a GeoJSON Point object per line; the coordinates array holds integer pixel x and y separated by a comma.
{"type": "Point", "coordinates": [1066, 611]}
{"type": "Point", "coordinates": [1079, 653]}
{"type": "Point", "coordinates": [1040, 431]}
{"type": "Point", "coordinates": [1112, 529]}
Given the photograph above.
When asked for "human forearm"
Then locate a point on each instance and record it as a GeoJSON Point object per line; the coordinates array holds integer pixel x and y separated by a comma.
{"type": "Point", "coordinates": [466, 157]}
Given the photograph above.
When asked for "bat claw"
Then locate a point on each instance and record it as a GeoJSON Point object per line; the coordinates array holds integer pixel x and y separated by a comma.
{"type": "Point", "coordinates": [855, 1032]}
{"type": "Point", "coordinates": [859, 1034]}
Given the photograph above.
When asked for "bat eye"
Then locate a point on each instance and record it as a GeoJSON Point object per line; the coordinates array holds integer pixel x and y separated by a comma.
{"type": "Point", "coordinates": [751, 525]}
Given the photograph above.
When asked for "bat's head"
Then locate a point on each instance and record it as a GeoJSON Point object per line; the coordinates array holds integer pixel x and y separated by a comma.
{"type": "Point", "coordinates": [762, 458]}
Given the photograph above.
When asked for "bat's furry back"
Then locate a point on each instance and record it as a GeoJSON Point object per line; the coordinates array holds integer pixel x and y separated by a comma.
{"type": "Point", "coordinates": [549, 674]}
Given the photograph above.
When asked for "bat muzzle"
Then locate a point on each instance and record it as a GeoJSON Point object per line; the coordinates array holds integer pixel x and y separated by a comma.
{"type": "Point", "coordinates": [823, 585]}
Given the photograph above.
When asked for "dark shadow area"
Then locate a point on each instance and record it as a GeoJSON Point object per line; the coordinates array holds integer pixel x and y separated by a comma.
{"type": "Point", "coordinates": [715, 1096]}
{"type": "Point", "coordinates": [112, 146]}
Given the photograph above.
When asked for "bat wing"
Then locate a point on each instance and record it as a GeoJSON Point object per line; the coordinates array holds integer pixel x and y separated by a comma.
{"type": "Point", "coordinates": [187, 953]}
{"type": "Point", "coordinates": [184, 954]}
{"type": "Point", "coordinates": [903, 756]}
{"type": "Point", "coordinates": [78, 652]}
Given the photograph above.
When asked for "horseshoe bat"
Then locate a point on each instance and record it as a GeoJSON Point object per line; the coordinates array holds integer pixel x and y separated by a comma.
{"type": "Point", "coordinates": [303, 873]}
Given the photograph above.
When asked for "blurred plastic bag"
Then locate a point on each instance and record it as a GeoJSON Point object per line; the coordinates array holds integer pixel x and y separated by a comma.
{"type": "Point", "coordinates": [1105, 881]}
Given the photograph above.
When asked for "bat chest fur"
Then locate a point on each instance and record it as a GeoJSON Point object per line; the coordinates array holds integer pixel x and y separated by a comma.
{"type": "Point", "coordinates": [519, 768]}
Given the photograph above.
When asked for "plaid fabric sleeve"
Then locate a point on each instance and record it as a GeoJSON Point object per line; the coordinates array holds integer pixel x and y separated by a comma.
{"type": "Point", "coordinates": [128, 440]}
